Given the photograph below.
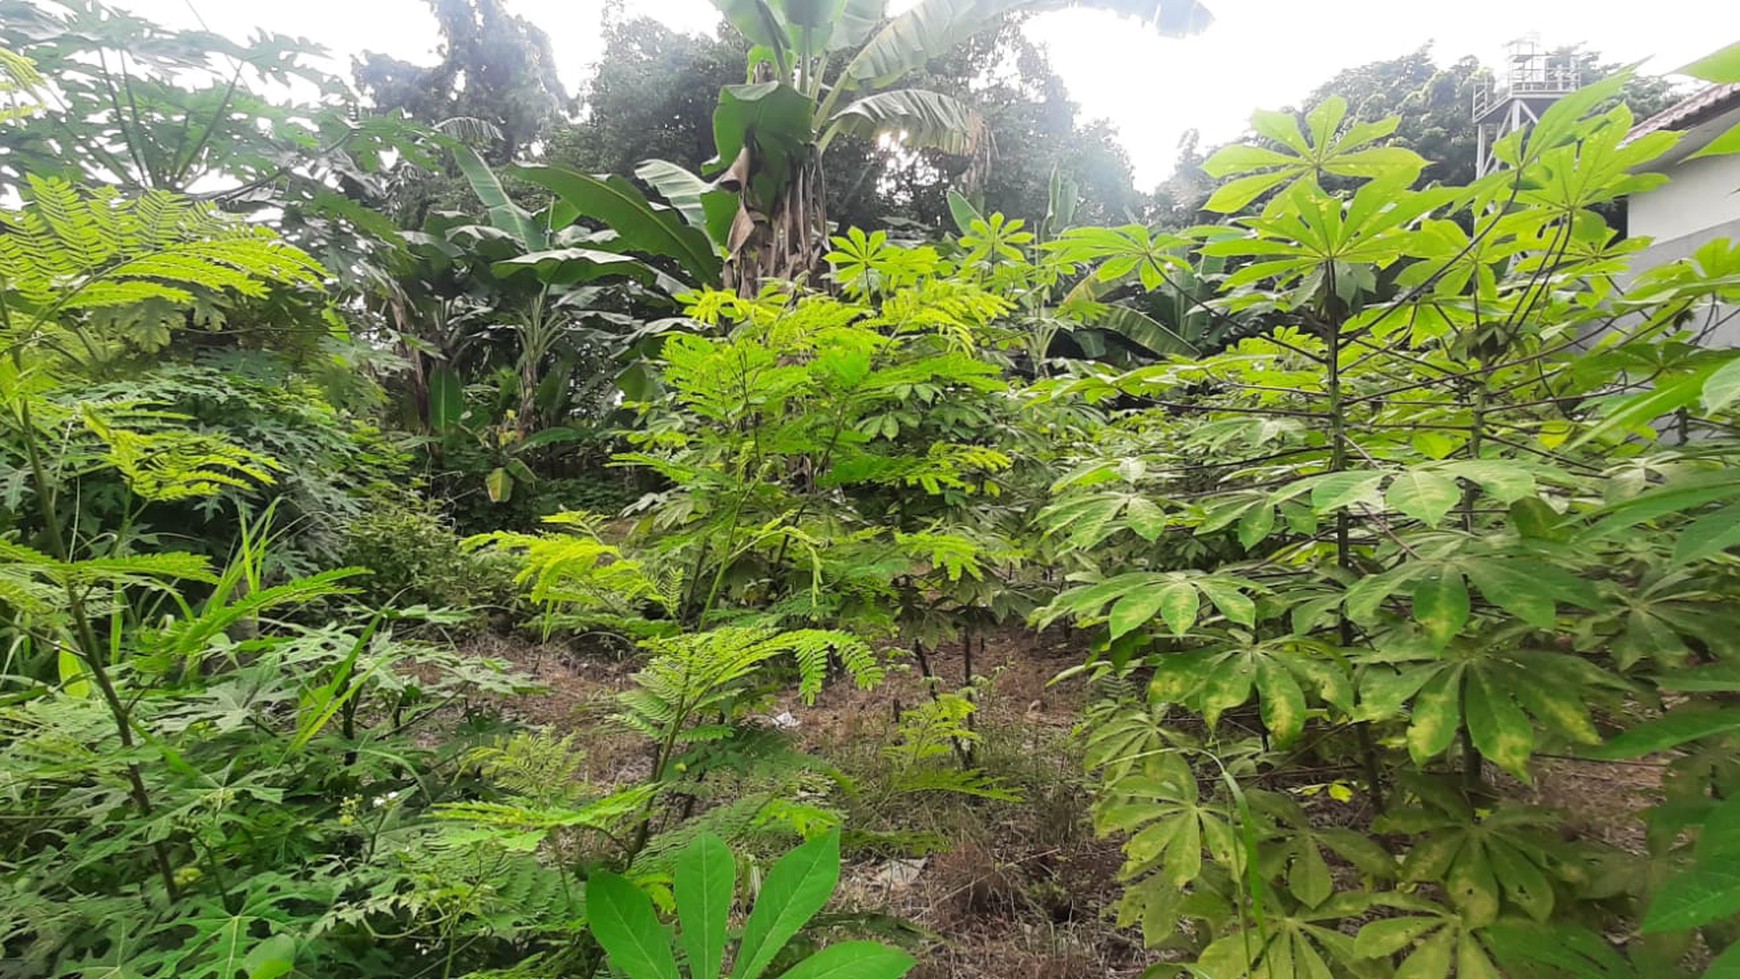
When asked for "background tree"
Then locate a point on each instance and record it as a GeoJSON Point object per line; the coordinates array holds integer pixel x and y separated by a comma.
{"type": "Point", "coordinates": [825, 71]}
{"type": "Point", "coordinates": [655, 91]}
{"type": "Point", "coordinates": [652, 97]}
{"type": "Point", "coordinates": [495, 67]}
{"type": "Point", "coordinates": [1031, 129]}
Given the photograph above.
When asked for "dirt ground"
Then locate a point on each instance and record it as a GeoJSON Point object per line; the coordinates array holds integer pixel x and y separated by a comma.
{"type": "Point", "coordinates": [1025, 890]}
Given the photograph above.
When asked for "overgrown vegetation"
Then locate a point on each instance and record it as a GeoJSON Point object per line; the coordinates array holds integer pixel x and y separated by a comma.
{"type": "Point", "coordinates": [1354, 509]}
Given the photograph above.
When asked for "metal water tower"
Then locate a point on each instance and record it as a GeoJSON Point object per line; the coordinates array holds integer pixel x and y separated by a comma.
{"type": "Point", "coordinates": [1532, 78]}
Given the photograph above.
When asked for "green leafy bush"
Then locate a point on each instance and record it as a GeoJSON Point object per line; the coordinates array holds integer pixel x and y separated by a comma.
{"type": "Point", "coordinates": [415, 558]}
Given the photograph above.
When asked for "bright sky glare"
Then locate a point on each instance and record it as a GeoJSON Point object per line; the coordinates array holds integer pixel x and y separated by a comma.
{"type": "Point", "coordinates": [1258, 54]}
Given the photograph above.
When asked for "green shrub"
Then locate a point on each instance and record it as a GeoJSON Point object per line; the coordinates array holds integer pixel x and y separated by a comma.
{"type": "Point", "coordinates": [416, 559]}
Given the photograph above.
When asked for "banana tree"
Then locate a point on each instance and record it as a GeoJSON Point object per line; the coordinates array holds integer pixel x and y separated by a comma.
{"type": "Point", "coordinates": [822, 69]}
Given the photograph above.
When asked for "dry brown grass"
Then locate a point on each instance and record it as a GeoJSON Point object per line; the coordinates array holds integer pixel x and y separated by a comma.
{"type": "Point", "coordinates": [1024, 889]}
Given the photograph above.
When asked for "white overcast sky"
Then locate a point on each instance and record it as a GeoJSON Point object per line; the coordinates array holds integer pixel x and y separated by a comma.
{"type": "Point", "coordinates": [1258, 53]}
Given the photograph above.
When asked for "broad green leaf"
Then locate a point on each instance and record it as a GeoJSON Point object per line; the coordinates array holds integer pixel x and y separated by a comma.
{"type": "Point", "coordinates": [1536, 519]}
{"type": "Point", "coordinates": [1505, 482]}
{"type": "Point", "coordinates": [962, 211]}
{"type": "Point", "coordinates": [1388, 936]}
{"type": "Point", "coordinates": [1431, 858]}
{"type": "Point", "coordinates": [1437, 715]}
{"type": "Point", "coordinates": [1726, 965]}
{"type": "Point", "coordinates": [1472, 960]}
{"type": "Point", "coordinates": [639, 225]}
{"type": "Point", "coordinates": [1146, 518]}
{"type": "Point", "coordinates": [1528, 590]}
{"type": "Point", "coordinates": [1472, 886]}
{"type": "Point", "coordinates": [1560, 707]}
{"type": "Point", "coordinates": [1256, 525]}
{"type": "Point", "coordinates": [1433, 444]}
{"type": "Point", "coordinates": [1719, 839]}
{"type": "Point", "coordinates": [759, 22]}
{"type": "Point", "coordinates": [1716, 677]}
{"type": "Point", "coordinates": [1498, 726]}
{"type": "Point", "coordinates": [1396, 165]}
{"type": "Point", "coordinates": [773, 121]}
{"type": "Point", "coordinates": [446, 399]}
{"type": "Point", "coordinates": [1522, 881]}
{"type": "Point", "coordinates": [1577, 951]}
{"type": "Point", "coordinates": [1241, 158]}
{"type": "Point", "coordinates": [1324, 119]}
{"type": "Point", "coordinates": [1383, 691]}
{"type": "Point", "coordinates": [1432, 959]}
{"type": "Point", "coordinates": [1141, 329]}
{"type": "Point", "coordinates": [1673, 498]}
{"type": "Point", "coordinates": [74, 678]}
{"type": "Point", "coordinates": [574, 266]}
{"type": "Point", "coordinates": [856, 21]}
{"type": "Point", "coordinates": [1424, 496]}
{"type": "Point", "coordinates": [1629, 414]}
{"type": "Point", "coordinates": [1233, 603]}
{"type": "Point", "coordinates": [1309, 878]}
{"type": "Point", "coordinates": [1723, 145]}
{"type": "Point", "coordinates": [1337, 490]}
{"type": "Point", "coordinates": [1669, 731]}
{"type": "Point", "coordinates": [853, 960]}
{"type": "Point", "coordinates": [1708, 892]}
{"type": "Point", "coordinates": [1708, 536]}
{"type": "Point", "coordinates": [1723, 387]}
{"type": "Point", "coordinates": [1228, 686]}
{"type": "Point", "coordinates": [1135, 610]}
{"type": "Point", "coordinates": [504, 214]}
{"type": "Point", "coordinates": [1183, 862]}
{"type": "Point", "coordinates": [1281, 127]}
{"type": "Point", "coordinates": [1368, 594]}
{"type": "Point", "coordinates": [1360, 850]}
{"type": "Point", "coordinates": [1236, 195]}
{"type": "Point", "coordinates": [1176, 675]}
{"type": "Point", "coordinates": [1561, 122]}
{"type": "Point", "coordinates": [683, 189]}
{"type": "Point", "coordinates": [921, 118]}
{"type": "Point", "coordinates": [1441, 605]}
{"type": "Point", "coordinates": [1178, 606]}
{"type": "Point", "coordinates": [271, 958]}
{"type": "Point", "coordinates": [812, 13]}
{"type": "Point", "coordinates": [795, 889]}
{"type": "Point", "coordinates": [622, 919]}
{"type": "Point", "coordinates": [1283, 704]}
{"type": "Point", "coordinates": [1722, 67]}
{"type": "Point", "coordinates": [705, 884]}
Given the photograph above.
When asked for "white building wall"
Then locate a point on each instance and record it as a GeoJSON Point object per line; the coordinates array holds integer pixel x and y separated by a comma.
{"type": "Point", "coordinates": [1704, 194]}
{"type": "Point", "coordinates": [1701, 203]}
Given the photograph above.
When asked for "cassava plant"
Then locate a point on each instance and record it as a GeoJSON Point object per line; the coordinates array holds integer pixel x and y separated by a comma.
{"type": "Point", "coordinates": [1421, 536]}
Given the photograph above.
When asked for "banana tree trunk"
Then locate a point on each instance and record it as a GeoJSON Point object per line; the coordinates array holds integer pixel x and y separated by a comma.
{"type": "Point", "coordinates": [782, 239]}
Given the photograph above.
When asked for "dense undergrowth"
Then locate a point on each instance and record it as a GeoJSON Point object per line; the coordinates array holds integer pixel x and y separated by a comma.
{"type": "Point", "coordinates": [1401, 490]}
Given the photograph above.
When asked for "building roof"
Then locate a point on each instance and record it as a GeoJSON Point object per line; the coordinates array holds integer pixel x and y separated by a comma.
{"type": "Point", "coordinates": [1689, 113]}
